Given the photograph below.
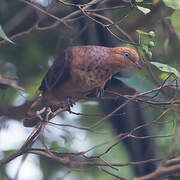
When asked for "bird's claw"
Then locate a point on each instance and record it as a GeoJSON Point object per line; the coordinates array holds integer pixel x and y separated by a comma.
{"type": "Point", "coordinates": [46, 111]}
{"type": "Point", "coordinates": [99, 92]}
{"type": "Point", "coordinates": [41, 111]}
{"type": "Point", "coordinates": [70, 103]}
{"type": "Point", "coordinates": [41, 115]}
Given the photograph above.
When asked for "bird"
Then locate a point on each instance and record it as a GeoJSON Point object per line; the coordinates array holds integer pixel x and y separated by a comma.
{"type": "Point", "coordinates": [75, 73]}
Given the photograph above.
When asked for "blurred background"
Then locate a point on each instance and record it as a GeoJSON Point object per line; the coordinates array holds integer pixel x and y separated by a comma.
{"type": "Point", "coordinates": [41, 29]}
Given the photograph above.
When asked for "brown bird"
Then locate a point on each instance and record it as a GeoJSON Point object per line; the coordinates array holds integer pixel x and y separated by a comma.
{"type": "Point", "coordinates": [76, 73]}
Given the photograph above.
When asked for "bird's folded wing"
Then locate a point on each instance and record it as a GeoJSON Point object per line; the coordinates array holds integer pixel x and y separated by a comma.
{"type": "Point", "coordinates": [59, 72]}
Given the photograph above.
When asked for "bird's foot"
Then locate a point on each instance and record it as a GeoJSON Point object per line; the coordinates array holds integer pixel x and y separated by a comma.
{"type": "Point", "coordinates": [70, 103]}
{"type": "Point", "coordinates": [99, 92]}
{"type": "Point", "coordinates": [34, 117]}
{"type": "Point", "coordinates": [44, 114]}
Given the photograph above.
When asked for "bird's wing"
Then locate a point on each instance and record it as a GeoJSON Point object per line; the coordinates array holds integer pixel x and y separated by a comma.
{"type": "Point", "coordinates": [58, 73]}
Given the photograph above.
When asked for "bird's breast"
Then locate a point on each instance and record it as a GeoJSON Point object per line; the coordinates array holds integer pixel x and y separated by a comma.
{"type": "Point", "coordinates": [91, 77]}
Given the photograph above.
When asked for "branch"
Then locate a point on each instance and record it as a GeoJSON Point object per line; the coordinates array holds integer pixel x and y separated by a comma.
{"type": "Point", "coordinates": [45, 12]}
{"type": "Point", "coordinates": [24, 149]}
{"type": "Point", "coordinates": [7, 82]}
{"type": "Point", "coordinates": [171, 167]}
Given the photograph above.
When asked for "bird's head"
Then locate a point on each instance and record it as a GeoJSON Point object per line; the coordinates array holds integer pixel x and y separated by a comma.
{"type": "Point", "coordinates": [124, 57]}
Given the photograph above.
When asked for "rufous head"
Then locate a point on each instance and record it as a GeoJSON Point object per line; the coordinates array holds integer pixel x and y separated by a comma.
{"type": "Point", "coordinates": [124, 57]}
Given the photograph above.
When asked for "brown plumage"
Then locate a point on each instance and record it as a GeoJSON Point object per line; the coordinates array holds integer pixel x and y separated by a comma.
{"type": "Point", "coordinates": [77, 72]}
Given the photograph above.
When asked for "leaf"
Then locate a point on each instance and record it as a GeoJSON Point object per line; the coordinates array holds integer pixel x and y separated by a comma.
{"type": "Point", "coordinates": [145, 48]}
{"type": "Point", "coordinates": [163, 76]}
{"type": "Point", "coordinates": [55, 145]}
{"type": "Point", "coordinates": [175, 4]}
{"type": "Point", "coordinates": [142, 32]}
{"type": "Point", "coordinates": [140, 84]}
{"type": "Point", "coordinates": [166, 68]}
{"type": "Point", "coordinates": [3, 35]}
{"type": "Point", "coordinates": [150, 33]}
{"type": "Point", "coordinates": [155, 1]}
{"type": "Point", "coordinates": [144, 10]}
{"type": "Point", "coordinates": [176, 22]}
{"type": "Point", "coordinates": [139, 1]}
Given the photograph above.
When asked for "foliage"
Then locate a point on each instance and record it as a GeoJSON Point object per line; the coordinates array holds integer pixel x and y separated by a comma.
{"type": "Point", "coordinates": [38, 33]}
{"type": "Point", "coordinates": [166, 68]}
{"type": "Point", "coordinates": [3, 35]}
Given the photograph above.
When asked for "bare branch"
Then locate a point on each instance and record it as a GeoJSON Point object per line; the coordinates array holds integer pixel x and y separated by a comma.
{"type": "Point", "coordinates": [7, 82]}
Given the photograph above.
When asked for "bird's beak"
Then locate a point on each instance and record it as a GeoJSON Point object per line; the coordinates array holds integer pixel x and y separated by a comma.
{"type": "Point", "coordinates": [137, 65]}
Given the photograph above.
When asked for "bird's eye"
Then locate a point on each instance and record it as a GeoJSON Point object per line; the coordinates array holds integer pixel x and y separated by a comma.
{"type": "Point", "coordinates": [126, 55]}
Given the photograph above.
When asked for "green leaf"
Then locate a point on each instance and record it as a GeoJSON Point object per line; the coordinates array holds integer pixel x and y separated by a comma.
{"type": "Point", "coordinates": [149, 54]}
{"type": "Point", "coordinates": [151, 44]}
{"type": "Point", "coordinates": [155, 1]}
{"type": "Point", "coordinates": [151, 34]}
{"type": "Point", "coordinates": [55, 145]}
{"type": "Point", "coordinates": [140, 84]}
{"type": "Point", "coordinates": [3, 35]}
{"type": "Point", "coordinates": [176, 22]}
{"type": "Point", "coordinates": [163, 76]}
{"type": "Point", "coordinates": [9, 152]}
{"type": "Point", "coordinates": [141, 32]}
{"type": "Point", "coordinates": [139, 1]}
{"type": "Point", "coordinates": [144, 10]}
{"type": "Point", "coordinates": [145, 48]}
{"type": "Point", "coordinates": [166, 68]}
{"type": "Point", "coordinates": [175, 4]}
